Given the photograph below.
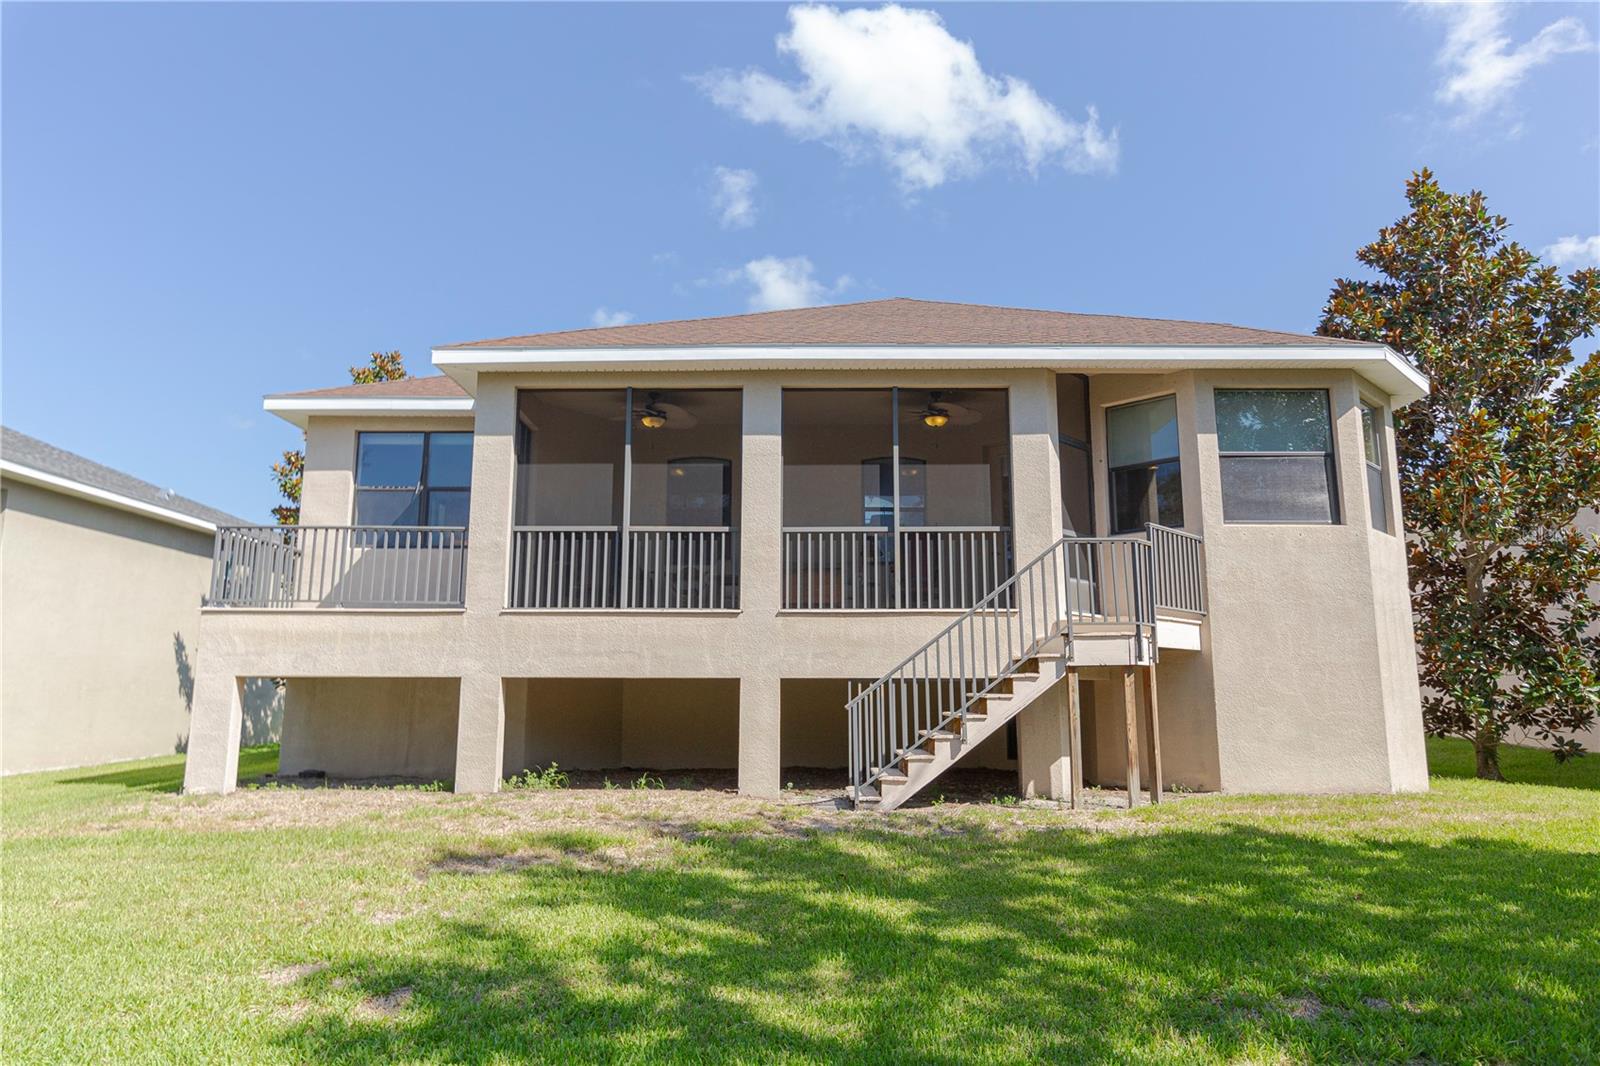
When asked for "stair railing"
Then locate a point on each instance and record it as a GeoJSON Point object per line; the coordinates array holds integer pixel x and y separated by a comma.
{"type": "Point", "coordinates": [1076, 585]}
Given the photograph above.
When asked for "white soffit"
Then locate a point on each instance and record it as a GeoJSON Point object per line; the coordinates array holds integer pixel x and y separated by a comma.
{"type": "Point", "coordinates": [299, 410]}
{"type": "Point", "coordinates": [1375, 362]}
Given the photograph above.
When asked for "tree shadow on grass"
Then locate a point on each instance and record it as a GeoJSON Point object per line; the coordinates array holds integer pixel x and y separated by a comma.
{"type": "Point", "coordinates": [1056, 946]}
{"type": "Point", "coordinates": [167, 775]}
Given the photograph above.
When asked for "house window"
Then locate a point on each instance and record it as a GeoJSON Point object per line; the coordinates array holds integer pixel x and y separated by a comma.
{"type": "Point", "coordinates": [1077, 464]}
{"type": "Point", "coordinates": [413, 479]}
{"type": "Point", "coordinates": [1142, 452]}
{"type": "Point", "coordinates": [1372, 451]}
{"type": "Point", "coordinates": [1276, 448]}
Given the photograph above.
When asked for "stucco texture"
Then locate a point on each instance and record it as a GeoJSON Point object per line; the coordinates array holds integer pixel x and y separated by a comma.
{"type": "Point", "coordinates": [1301, 681]}
{"type": "Point", "coordinates": [99, 627]}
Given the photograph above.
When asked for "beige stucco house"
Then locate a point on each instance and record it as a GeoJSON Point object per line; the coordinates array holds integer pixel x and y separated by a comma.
{"type": "Point", "coordinates": [884, 538]}
{"type": "Point", "coordinates": [101, 579]}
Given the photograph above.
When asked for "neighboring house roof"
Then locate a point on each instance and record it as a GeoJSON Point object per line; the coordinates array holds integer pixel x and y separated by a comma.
{"type": "Point", "coordinates": [30, 460]}
{"type": "Point", "coordinates": [905, 321]}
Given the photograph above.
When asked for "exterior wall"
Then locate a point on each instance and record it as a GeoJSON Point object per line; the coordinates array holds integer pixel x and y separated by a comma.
{"type": "Point", "coordinates": [327, 493]}
{"type": "Point", "coordinates": [1270, 701]}
{"type": "Point", "coordinates": [1186, 692]}
{"type": "Point", "coordinates": [100, 614]}
{"type": "Point", "coordinates": [1315, 681]}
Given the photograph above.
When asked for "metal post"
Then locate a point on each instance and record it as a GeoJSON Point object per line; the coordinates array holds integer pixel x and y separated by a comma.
{"type": "Point", "coordinates": [625, 582]}
{"type": "Point", "coordinates": [894, 509]}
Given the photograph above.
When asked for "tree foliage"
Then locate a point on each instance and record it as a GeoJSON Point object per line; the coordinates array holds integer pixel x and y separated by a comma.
{"type": "Point", "coordinates": [1495, 465]}
{"type": "Point", "coordinates": [289, 474]}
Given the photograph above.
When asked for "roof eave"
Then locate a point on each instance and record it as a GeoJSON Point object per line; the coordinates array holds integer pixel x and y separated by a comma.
{"type": "Point", "coordinates": [1376, 362]}
{"type": "Point", "coordinates": [299, 410]}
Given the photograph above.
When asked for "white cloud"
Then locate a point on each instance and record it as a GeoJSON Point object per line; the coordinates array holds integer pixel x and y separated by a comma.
{"type": "Point", "coordinates": [1573, 253]}
{"type": "Point", "coordinates": [1481, 65]}
{"type": "Point", "coordinates": [733, 197]}
{"type": "Point", "coordinates": [778, 284]}
{"type": "Point", "coordinates": [894, 81]}
{"type": "Point", "coordinates": [604, 316]}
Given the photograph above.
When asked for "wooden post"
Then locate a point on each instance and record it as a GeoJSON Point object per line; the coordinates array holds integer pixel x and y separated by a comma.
{"type": "Point", "coordinates": [1075, 744]}
{"type": "Point", "coordinates": [1130, 716]}
{"type": "Point", "coordinates": [1153, 723]}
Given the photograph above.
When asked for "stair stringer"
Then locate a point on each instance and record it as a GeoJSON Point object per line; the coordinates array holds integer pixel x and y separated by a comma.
{"type": "Point", "coordinates": [987, 717]}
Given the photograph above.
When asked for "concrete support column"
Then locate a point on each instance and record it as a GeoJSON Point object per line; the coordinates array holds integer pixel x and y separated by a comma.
{"type": "Point", "coordinates": [215, 721]}
{"type": "Point", "coordinates": [1035, 465]}
{"type": "Point", "coordinates": [760, 720]}
{"type": "Point", "coordinates": [480, 734]}
{"type": "Point", "coordinates": [494, 465]}
{"type": "Point", "coordinates": [761, 502]}
{"type": "Point", "coordinates": [1044, 746]}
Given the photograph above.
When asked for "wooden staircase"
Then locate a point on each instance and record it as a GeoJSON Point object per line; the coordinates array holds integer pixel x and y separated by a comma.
{"type": "Point", "coordinates": [941, 749]}
{"type": "Point", "coordinates": [1085, 601]}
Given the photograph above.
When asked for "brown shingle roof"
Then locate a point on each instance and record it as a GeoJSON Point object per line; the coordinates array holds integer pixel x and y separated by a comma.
{"type": "Point", "coordinates": [434, 387]}
{"type": "Point", "coordinates": [908, 322]}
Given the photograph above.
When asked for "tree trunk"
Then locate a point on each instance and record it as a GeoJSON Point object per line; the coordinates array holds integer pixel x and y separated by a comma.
{"type": "Point", "coordinates": [1488, 751]}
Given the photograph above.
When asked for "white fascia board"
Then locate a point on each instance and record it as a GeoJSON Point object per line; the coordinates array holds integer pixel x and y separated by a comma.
{"type": "Point", "coordinates": [68, 487]}
{"type": "Point", "coordinates": [299, 410]}
{"type": "Point", "coordinates": [1376, 362]}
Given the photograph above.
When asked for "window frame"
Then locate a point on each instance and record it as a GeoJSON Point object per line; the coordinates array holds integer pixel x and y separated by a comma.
{"type": "Point", "coordinates": [1378, 503]}
{"type": "Point", "coordinates": [1330, 459]}
{"type": "Point", "coordinates": [423, 490]}
{"type": "Point", "coordinates": [1082, 447]}
{"type": "Point", "coordinates": [1151, 464]}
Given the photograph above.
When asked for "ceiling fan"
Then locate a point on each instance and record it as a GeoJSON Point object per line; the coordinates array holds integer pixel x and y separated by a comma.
{"type": "Point", "coordinates": [940, 412]}
{"type": "Point", "coordinates": [656, 413]}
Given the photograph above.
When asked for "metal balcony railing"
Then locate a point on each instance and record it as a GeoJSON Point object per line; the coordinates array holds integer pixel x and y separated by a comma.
{"type": "Point", "coordinates": [338, 566]}
{"type": "Point", "coordinates": [652, 568]}
{"type": "Point", "coordinates": [871, 568]}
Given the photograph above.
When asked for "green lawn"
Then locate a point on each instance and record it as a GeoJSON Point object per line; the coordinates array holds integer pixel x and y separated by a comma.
{"type": "Point", "coordinates": [278, 926]}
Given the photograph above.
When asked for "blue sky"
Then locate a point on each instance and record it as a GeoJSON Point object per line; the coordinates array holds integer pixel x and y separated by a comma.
{"type": "Point", "coordinates": [206, 203]}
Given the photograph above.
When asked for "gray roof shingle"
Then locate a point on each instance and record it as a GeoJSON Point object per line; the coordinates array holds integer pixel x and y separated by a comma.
{"type": "Point", "coordinates": [907, 321]}
{"type": "Point", "coordinates": [31, 452]}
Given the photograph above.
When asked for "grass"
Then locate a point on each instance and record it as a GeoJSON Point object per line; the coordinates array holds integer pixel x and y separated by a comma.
{"type": "Point", "coordinates": [282, 926]}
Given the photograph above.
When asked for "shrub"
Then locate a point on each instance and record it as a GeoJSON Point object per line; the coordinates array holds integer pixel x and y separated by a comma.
{"type": "Point", "coordinates": [551, 777]}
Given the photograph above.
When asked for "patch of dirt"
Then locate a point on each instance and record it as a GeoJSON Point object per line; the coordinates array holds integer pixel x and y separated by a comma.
{"type": "Point", "coordinates": [294, 1012]}
{"type": "Point", "coordinates": [607, 859]}
{"type": "Point", "coordinates": [694, 805]}
{"type": "Point", "coordinates": [387, 1005]}
{"type": "Point", "coordinates": [1310, 1008]}
{"type": "Point", "coordinates": [288, 975]}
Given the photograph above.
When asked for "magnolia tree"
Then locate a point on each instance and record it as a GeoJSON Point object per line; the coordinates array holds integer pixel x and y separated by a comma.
{"type": "Point", "coordinates": [289, 472]}
{"type": "Point", "coordinates": [1495, 465]}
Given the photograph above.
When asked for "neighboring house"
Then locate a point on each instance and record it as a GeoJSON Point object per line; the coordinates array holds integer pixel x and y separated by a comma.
{"type": "Point", "coordinates": [993, 533]}
{"type": "Point", "coordinates": [101, 578]}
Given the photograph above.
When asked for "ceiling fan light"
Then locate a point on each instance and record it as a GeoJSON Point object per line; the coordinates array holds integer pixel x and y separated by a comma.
{"type": "Point", "coordinates": [652, 420]}
{"type": "Point", "coordinates": [935, 418]}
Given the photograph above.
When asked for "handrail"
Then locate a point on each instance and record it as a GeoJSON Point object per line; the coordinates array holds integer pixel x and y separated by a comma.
{"type": "Point", "coordinates": [1076, 582]}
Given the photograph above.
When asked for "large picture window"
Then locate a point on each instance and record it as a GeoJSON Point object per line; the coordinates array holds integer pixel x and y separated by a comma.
{"type": "Point", "coordinates": [1372, 452]}
{"type": "Point", "coordinates": [413, 479]}
{"type": "Point", "coordinates": [1276, 448]}
{"type": "Point", "coordinates": [1142, 453]}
